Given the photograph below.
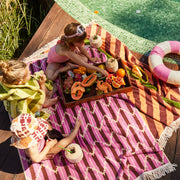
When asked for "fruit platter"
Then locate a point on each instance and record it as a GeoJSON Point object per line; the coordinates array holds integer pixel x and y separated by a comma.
{"type": "Point", "coordinates": [81, 85]}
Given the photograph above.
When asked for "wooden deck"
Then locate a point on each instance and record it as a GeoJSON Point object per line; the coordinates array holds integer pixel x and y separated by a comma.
{"type": "Point", "coordinates": [51, 28]}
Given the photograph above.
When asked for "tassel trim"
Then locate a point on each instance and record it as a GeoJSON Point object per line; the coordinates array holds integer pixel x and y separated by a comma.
{"type": "Point", "coordinates": [167, 133]}
{"type": "Point", "coordinates": [158, 172]}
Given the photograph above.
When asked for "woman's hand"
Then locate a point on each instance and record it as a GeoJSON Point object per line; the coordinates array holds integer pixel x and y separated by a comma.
{"type": "Point", "coordinates": [42, 79]}
{"type": "Point", "coordinates": [95, 59]}
{"type": "Point", "coordinates": [78, 123]}
{"type": "Point", "coordinates": [104, 72]}
{"type": "Point", "coordinates": [49, 156]}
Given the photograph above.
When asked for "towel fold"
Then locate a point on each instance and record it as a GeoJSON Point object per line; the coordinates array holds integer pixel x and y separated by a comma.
{"type": "Point", "coordinates": [26, 98]}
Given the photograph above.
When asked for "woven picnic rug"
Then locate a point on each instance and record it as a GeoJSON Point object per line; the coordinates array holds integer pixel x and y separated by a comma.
{"type": "Point", "coordinates": [116, 136]}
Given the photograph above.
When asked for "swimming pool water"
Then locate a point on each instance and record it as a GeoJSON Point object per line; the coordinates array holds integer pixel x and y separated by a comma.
{"type": "Point", "coordinates": [150, 21]}
{"type": "Point", "coordinates": [176, 0]}
{"type": "Point", "coordinates": [155, 20]}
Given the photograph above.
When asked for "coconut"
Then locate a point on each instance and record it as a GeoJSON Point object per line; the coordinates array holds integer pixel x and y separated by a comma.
{"type": "Point", "coordinates": [112, 65]}
{"type": "Point", "coordinates": [76, 153]}
{"type": "Point", "coordinates": [95, 41]}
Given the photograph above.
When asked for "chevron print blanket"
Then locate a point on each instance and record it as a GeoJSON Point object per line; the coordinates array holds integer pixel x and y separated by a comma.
{"type": "Point", "coordinates": [116, 137]}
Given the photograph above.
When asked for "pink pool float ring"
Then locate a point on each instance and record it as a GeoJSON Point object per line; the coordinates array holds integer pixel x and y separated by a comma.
{"type": "Point", "coordinates": [156, 61]}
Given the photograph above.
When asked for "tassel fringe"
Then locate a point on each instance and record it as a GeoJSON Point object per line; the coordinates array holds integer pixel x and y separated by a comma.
{"type": "Point", "coordinates": [167, 133]}
{"type": "Point", "coordinates": [158, 172]}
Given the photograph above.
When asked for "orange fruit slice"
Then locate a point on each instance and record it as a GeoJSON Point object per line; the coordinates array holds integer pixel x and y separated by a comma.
{"type": "Point", "coordinates": [119, 80]}
{"type": "Point", "coordinates": [122, 82]}
{"type": "Point", "coordinates": [115, 84]}
{"type": "Point", "coordinates": [120, 72]}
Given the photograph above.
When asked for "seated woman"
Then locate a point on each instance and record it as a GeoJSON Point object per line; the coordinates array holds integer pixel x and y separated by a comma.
{"type": "Point", "coordinates": [71, 50]}
{"type": "Point", "coordinates": [22, 92]}
{"type": "Point", "coordinates": [32, 135]}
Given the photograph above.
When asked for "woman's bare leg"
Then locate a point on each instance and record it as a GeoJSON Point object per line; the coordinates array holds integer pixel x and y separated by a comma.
{"type": "Point", "coordinates": [49, 94]}
{"type": "Point", "coordinates": [72, 66]}
{"type": "Point", "coordinates": [50, 102]}
{"type": "Point", "coordinates": [52, 71]}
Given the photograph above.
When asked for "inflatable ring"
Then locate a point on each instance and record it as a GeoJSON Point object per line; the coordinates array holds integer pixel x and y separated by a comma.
{"type": "Point", "coordinates": [156, 62]}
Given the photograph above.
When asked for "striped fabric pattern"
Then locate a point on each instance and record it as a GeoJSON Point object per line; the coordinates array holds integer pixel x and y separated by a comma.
{"type": "Point", "coordinates": [93, 52]}
{"type": "Point", "coordinates": [114, 138]}
{"type": "Point", "coordinates": [155, 111]}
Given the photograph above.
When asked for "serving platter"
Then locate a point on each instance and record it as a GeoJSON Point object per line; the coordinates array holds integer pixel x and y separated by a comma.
{"type": "Point", "coordinates": [92, 94]}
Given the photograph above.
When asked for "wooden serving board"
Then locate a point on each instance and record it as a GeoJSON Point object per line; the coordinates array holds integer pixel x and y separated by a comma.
{"type": "Point", "coordinates": [92, 95]}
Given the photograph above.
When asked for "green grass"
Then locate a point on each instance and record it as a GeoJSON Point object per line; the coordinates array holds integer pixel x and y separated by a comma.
{"type": "Point", "coordinates": [11, 23]}
{"type": "Point", "coordinates": [19, 20]}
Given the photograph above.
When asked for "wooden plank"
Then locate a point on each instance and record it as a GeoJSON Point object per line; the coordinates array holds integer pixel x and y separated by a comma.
{"type": "Point", "coordinates": [167, 177]}
{"type": "Point", "coordinates": [6, 176]}
{"type": "Point", "coordinates": [176, 174]}
{"type": "Point", "coordinates": [52, 26]}
{"type": "Point", "coordinates": [172, 151]}
{"type": "Point", "coordinates": [171, 147]}
{"type": "Point", "coordinates": [178, 143]}
{"type": "Point", "coordinates": [56, 29]}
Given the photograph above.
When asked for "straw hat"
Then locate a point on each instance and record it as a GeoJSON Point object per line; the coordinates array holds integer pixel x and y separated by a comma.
{"type": "Point", "coordinates": [27, 131]}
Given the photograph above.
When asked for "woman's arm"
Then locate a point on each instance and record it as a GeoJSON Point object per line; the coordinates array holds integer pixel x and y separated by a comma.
{"type": "Point", "coordinates": [77, 59]}
{"type": "Point", "coordinates": [42, 80]}
{"type": "Point", "coordinates": [84, 52]}
{"type": "Point", "coordinates": [66, 140]}
{"type": "Point", "coordinates": [34, 154]}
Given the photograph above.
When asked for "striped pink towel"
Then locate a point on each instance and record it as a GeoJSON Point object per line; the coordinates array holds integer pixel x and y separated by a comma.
{"type": "Point", "coordinates": [93, 52]}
